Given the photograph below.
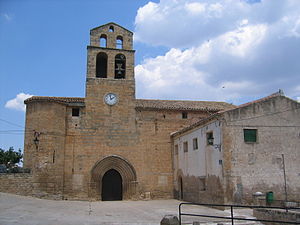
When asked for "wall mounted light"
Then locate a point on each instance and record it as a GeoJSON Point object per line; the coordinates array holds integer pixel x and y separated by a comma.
{"type": "Point", "coordinates": [217, 146]}
{"type": "Point", "coordinates": [210, 140]}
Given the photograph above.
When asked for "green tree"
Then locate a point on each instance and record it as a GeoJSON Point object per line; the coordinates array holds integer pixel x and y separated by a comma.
{"type": "Point", "coordinates": [10, 157]}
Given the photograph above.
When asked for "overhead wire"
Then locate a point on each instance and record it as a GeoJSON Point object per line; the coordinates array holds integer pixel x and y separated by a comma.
{"type": "Point", "coordinates": [14, 124]}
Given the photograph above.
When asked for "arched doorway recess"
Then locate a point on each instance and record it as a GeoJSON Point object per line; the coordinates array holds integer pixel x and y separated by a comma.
{"type": "Point", "coordinates": [112, 186]}
{"type": "Point", "coordinates": [112, 166]}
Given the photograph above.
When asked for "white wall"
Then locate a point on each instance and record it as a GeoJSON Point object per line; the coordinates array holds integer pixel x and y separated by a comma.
{"type": "Point", "coordinates": [205, 160]}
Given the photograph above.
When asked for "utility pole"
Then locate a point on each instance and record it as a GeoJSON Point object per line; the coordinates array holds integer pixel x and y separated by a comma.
{"type": "Point", "coordinates": [283, 164]}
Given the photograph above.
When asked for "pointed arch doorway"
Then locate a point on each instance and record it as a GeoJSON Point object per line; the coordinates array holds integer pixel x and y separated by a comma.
{"type": "Point", "coordinates": [113, 178]}
{"type": "Point", "coordinates": [112, 186]}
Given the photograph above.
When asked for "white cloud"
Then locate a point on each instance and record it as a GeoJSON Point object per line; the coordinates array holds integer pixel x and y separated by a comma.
{"type": "Point", "coordinates": [195, 7]}
{"type": "Point", "coordinates": [220, 50]}
{"type": "Point", "coordinates": [17, 103]}
{"type": "Point", "coordinates": [240, 41]}
{"type": "Point", "coordinates": [7, 16]}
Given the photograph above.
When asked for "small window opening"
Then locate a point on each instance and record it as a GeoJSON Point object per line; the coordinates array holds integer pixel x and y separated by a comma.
{"type": "Point", "coordinates": [250, 135]}
{"type": "Point", "coordinates": [210, 138]}
{"type": "Point", "coordinates": [75, 111]}
{"type": "Point", "coordinates": [111, 29]}
{"type": "Point", "coordinates": [185, 146]}
{"type": "Point", "coordinates": [120, 66]}
{"type": "Point", "coordinates": [103, 41]}
{"type": "Point", "coordinates": [184, 115]}
{"type": "Point", "coordinates": [176, 150]}
{"type": "Point", "coordinates": [119, 42]}
{"type": "Point", "coordinates": [53, 157]}
{"type": "Point", "coordinates": [220, 162]}
{"type": "Point", "coordinates": [195, 143]}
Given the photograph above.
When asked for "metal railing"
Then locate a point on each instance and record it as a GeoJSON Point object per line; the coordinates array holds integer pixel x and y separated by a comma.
{"type": "Point", "coordinates": [232, 218]}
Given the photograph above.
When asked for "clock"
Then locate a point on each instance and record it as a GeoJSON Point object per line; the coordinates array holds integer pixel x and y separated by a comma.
{"type": "Point", "coordinates": [110, 99]}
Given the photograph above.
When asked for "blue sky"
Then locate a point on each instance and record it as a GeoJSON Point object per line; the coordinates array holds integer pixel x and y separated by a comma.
{"type": "Point", "coordinates": [224, 50]}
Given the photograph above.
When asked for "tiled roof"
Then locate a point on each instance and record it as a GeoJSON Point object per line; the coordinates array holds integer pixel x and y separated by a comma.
{"type": "Point", "coordinates": [64, 100]}
{"type": "Point", "coordinates": [279, 93]}
{"type": "Point", "coordinates": [181, 105]}
{"type": "Point", "coordinates": [202, 121]}
{"type": "Point", "coordinates": [276, 94]}
{"type": "Point", "coordinates": [194, 125]}
{"type": "Point", "coordinates": [143, 104]}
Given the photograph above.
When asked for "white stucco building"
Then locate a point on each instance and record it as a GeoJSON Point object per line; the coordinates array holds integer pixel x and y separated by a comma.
{"type": "Point", "coordinates": [234, 153]}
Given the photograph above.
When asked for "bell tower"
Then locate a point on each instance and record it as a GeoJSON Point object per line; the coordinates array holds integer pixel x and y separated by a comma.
{"type": "Point", "coordinates": [110, 83]}
{"type": "Point", "coordinates": [110, 54]}
{"type": "Point", "coordinates": [110, 66]}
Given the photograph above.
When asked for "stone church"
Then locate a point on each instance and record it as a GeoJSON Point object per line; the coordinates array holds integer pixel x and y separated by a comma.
{"type": "Point", "coordinates": [108, 145]}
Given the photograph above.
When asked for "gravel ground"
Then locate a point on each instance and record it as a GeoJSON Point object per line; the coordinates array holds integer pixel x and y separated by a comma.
{"type": "Point", "coordinates": [23, 210]}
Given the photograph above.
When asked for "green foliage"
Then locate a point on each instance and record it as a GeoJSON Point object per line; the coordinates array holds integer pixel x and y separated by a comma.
{"type": "Point", "coordinates": [10, 157]}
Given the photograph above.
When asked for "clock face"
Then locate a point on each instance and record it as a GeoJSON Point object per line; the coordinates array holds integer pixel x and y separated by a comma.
{"type": "Point", "coordinates": [110, 99]}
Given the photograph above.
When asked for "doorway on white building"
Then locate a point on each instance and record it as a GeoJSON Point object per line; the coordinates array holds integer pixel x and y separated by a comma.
{"type": "Point", "coordinates": [180, 184]}
{"type": "Point", "coordinates": [112, 186]}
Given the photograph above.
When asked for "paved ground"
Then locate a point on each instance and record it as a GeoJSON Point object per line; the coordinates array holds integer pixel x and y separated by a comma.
{"type": "Point", "coordinates": [21, 210]}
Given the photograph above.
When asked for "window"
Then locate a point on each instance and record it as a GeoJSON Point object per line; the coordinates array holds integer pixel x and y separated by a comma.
{"type": "Point", "coordinates": [250, 135]}
{"type": "Point", "coordinates": [75, 111]}
{"type": "Point", "coordinates": [120, 66]}
{"type": "Point", "coordinates": [176, 150]}
{"type": "Point", "coordinates": [103, 39]}
{"type": "Point", "coordinates": [185, 146]}
{"type": "Point", "coordinates": [210, 138]}
{"type": "Point", "coordinates": [101, 65]}
{"type": "Point", "coordinates": [184, 115]}
{"type": "Point", "coordinates": [119, 42]}
{"type": "Point", "coordinates": [53, 157]}
{"type": "Point", "coordinates": [195, 143]}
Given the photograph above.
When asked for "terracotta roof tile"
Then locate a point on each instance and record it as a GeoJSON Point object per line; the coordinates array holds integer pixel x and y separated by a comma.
{"type": "Point", "coordinates": [194, 125]}
{"type": "Point", "coordinates": [276, 94]}
{"type": "Point", "coordinates": [64, 100]}
{"type": "Point", "coordinates": [202, 121]}
{"type": "Point", "coordinates": [148, 104]}
{"type": "Point", "coordinates": [279, 93]}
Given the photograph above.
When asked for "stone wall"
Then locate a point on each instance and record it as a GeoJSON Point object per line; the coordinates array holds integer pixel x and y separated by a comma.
{"type": "Point", "coordinates": [258, 166]}
{"type": "Point", "coordinates": [277, 215]}
{"type": "Point", "coordinates": [18, 183]}
{"type": "Point", "coordinates": [71, 147]}
{"type": "Point", "coordinates": [46, 159]}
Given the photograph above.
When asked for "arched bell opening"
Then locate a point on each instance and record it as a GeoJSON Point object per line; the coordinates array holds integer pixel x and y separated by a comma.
{"type": "Point", "coordinates": [101, 65]}
{"type": "Point", "coordinates": [103, 41]}
{"type": "Point", "coordinates": [119, 42]}
{"type": "Point", "coordinates": [120, 66]}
